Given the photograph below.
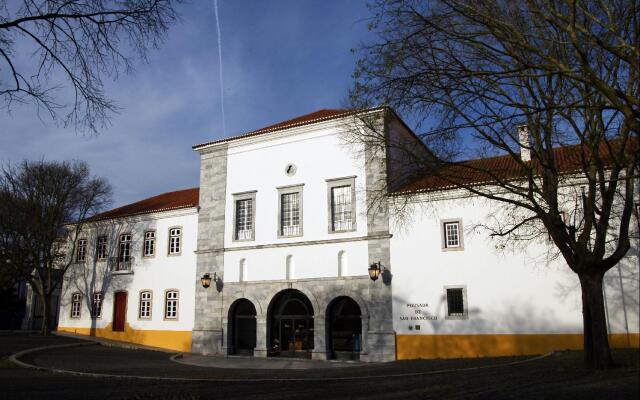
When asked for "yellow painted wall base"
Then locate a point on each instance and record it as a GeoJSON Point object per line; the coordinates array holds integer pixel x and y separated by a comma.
{"type": "Point", "coordinates": [171, 340]}
{"type": "Point", "coordinates": [463, 346]}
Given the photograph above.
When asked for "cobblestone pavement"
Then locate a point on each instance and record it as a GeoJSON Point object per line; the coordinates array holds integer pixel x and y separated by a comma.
{"type": "Point", "coordinates": [559, 376]}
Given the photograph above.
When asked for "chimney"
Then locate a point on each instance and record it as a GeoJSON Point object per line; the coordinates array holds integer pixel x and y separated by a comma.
{"type": "Point", "coordinates": [523, 141]}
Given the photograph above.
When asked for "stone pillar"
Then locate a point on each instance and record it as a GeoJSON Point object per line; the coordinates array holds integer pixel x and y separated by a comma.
{"type": "Point", "coordinates": [262, 347]}
{"type": "Point", "coordinates": [208, 326]}
{"type": "Point", "coordinates": [319, 338]}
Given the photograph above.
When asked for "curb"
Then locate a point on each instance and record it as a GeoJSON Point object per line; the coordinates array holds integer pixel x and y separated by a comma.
{"type": "Point", "coordinates": [112, 343]}
{"type": "Point", "coordinates": [15, 359]}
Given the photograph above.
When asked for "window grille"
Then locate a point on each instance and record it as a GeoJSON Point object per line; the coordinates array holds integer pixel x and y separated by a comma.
{"type": "Point", "coordinates": [455, 302]}
{"type": "Point", "coordinates": [290, 214]}
{"type": "Point", "coordinates": [75, 305]}
{"type": "Point", "coordinates": [96, 305]}
{"type": "Point", "coordinates": [174, 240]}
{"type": "Point", "coordinates": [81, 254]}
{"type": "Point", "coordinates": [451, 234]}
{"type": "Point", "coordinates": [145, 305]}
{"type": "Point", "coordinates": [341, 218]}
{"type": "Point", "coordinates": [149, 247]}
{"type": "Point", "coordinates": [171, 305]}
{"type": "Point", "coordinates": [244, 219]}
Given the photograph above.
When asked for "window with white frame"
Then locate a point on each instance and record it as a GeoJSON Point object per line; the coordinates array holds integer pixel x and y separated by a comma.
{"type": "Point", "coordinates": [290, 211]}
{"type": "Point", "coordinates": [452, 234]}
{"type": "Point", "coordinates": [144, 310]}
{"type": "Point", "coordinates": [456, 302]}
{"type": "Point", "coordinates": [101, 248]}
{"type": "Point", "coordinates": [342, 207]}
{"type": "Point", "coordinates": [175, 240]}
{"type": "Point", "coordinates": [149, 247]}
{"type": "Point", "coordinates": [81, 251]}
{"type": "Point", "coordinates": [96, 305]}
{"type": "Point", "coordinates": [171, 305]}
{"type": "Point", "coordinates": [244, 215]}
{"type": "Point", "coordinates": [76, 305]}
{"type": "Point", "coordinates": [124, 247]}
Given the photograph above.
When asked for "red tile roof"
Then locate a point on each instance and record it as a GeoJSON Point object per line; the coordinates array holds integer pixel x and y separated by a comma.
{"type": "Point", "coordinates": [487, 170]}
{"type": "Point", "coordinates": [317, 116]}
{"type": "Point", "coordinates": [163, 202]}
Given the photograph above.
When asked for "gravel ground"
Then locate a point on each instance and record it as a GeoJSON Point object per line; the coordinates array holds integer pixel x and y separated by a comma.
{"type": "Point", "coordinates": [560, 376]}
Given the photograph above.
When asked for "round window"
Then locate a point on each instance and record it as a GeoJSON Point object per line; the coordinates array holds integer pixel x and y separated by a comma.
{"type": "Point", "coordinates": [290, 169]}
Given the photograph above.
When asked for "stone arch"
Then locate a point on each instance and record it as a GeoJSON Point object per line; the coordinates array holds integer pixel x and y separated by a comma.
{"type": "Point", "coordinates": [277, 288]}
{"type": "Point", "coordinates": [241, 327]}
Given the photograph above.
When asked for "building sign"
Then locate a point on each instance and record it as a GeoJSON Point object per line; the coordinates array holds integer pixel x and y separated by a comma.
{"type": "Point", "coordinates": [417, 312]}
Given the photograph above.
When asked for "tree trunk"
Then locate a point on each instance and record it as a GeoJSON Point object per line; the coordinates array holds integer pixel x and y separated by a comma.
{"type": "Point", "coordinates": [46, 314]}
{"type": "Point", "coordinates": [596, 341]}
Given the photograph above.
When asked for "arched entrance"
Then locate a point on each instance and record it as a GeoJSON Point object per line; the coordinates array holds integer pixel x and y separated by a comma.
{"type": "Point", "coordinates": [344, 329]}
{"type": "Point", "coordinates": [242, 317]}
{"type": "Point", "coordinates": [291, 325]}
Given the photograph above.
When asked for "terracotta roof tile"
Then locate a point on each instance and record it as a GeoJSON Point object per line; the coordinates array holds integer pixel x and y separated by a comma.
{"type": "Point", "coordinates": [316, 116]}
{"type": "Point", "coordinates": [483, 170]}
{"type": "Point", "coordinates": [163, 202]}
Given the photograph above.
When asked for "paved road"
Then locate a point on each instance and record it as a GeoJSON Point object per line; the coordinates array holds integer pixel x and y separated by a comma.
{"type": "Point", "coordinates": [556, 377]}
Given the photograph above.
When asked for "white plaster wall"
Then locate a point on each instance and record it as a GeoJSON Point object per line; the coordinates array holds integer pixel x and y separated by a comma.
{"type": "Point", "coordinates": [508, 291]}
{"type": "Point", "coordinates": [313, 261]}
{"type": "Point", "coordinates": [158, 273]}
{"type": "Point", "coordinates": [318, 154]}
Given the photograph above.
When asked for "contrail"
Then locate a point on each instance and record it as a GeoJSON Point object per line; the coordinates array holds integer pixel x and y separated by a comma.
{"type": "Point", "coordinates": [224, 124]}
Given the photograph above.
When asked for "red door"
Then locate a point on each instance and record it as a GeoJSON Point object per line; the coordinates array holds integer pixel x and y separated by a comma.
{"type": "Point", "coordinates": [120, 311]}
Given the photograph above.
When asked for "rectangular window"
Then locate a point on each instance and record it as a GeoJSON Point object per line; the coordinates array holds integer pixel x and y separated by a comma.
{"type": "Point", "coordinates": [149, 243]}
{"type": "Point", "coordinates": [75, 305]}
{"type": "Point", "coordinates": [452, 234]}
{"type": "Point", "coordinates": [96, 305]}
{"type": "Point", "coordinates": [145, 305]}
{"type": "Point", "coordinates": [171, 305]}
{"type": "Point", "coordinates": [456, 303]}
{"type": "Point", "coordinates": [244, 219]}
{"type": "Point", "coordinates": [342, 206]}
{"type": "Point", "coordinates": [175, 240]}
{"type": "Point", "coordinates": [124, 248]}
{"type": "Point", "coordinates": [101, 248]}
{"type": "Point", "coordinates": [81, 251]}
{"type": "Point", "coordinates": [290, 213]}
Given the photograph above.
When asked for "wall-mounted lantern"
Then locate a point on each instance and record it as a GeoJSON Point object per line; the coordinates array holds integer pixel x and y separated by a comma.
{"type": "Point", "coordinates": [207, 278]}
{"type": "Point", "coordinates": [375, 270]}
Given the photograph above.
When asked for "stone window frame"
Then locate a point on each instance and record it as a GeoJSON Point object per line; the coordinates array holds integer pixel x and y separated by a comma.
{"type": "Point", "coordinates": [145, 240]}
{"type": "Point", "coordinates": [465, 314]}
{"type": "Point", "coordinates": [105, 256]}
{"type": "Point", "coordinates": [76, 299]}
{"type": "Point", "coordinates": [180, 242]}
{"type": "Point", "coordinates": [443, 234]}
{"type": "Point", "coordinates": [251, 194]}
{"type": "Point", "coordinates": [298, 188]}
{"type": "Point", "coordinates": [83, 244]}
{"type": "Point", "coordinates": [166, 303]}
{"type": "Point", "coordinates": [150, 299]}
{"type": "Point", "coordinates": [97, 315]}
{"type": "Point", "coordinates": [336, 182]}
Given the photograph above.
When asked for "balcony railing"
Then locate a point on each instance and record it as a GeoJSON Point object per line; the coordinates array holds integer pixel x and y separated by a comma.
{"type": "Point", "coordinates": [121, 264]}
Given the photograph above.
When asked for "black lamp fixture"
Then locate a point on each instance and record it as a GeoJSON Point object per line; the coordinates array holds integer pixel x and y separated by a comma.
{"type": "Point", "coordinates": [207, 278]}
{"type": "Point", "coordinates": [375, 270]}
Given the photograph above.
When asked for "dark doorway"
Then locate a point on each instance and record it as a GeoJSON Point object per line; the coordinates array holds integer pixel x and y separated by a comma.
{"type": "Point", "coordinates": [344, 329]}
{"type": "Point", "coordinates": [119, 311]}
{"type": "Point", "coordinates": [243, 327]}
{"type": "Point", "coordinates": [291, 325]}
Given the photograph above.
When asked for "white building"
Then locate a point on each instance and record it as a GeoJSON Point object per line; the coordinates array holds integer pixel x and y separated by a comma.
{"type": "Point", "coordinates": [282, 226]}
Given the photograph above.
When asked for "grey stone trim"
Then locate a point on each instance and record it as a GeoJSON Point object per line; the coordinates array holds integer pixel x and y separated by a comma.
{"type": "Point", "coordinates": [251, 195]}
{"type": "Point", "coordinates": [443, 235]}
{"type": "Point", "coordinates": [299, 188]}
{"type": "Point", "coordinates": [336, 182]}
{"type": "Point", "coordinates": [303, 243]}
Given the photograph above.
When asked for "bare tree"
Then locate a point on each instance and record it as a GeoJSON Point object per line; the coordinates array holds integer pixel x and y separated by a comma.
{"type": "Point", "coordinates": [43, 208]}
{"type": "Point", "coordinates": [47, 45]}
{"type": "Point", "coordinates": [551, 87]}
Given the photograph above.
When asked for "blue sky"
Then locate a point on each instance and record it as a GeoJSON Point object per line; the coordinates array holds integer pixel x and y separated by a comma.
{"type": "Point", "coordinates": [281, 59]}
